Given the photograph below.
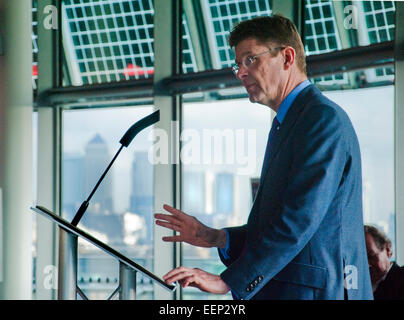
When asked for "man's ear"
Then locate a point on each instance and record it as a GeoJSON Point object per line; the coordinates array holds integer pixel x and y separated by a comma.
{"type": "Point", "coordinates": [289, 56]}
{"type": "Point", "coordinates": [389, 251]}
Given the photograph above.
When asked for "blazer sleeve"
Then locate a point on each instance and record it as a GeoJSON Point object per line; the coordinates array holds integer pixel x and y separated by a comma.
{"type": "Point", "coordinates": [319, 156]}
{"type": "Point", "coordinates": [235, 244]}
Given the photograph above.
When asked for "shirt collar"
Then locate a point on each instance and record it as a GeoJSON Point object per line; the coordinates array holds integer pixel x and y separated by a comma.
{"type": "Point", "coordinates": [287, 102]}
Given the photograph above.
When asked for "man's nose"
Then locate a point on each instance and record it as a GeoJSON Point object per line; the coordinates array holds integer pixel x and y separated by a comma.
{"type": "Point", "coordinates": [242, 72]}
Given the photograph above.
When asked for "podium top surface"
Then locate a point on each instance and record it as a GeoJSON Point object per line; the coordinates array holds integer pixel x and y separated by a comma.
{"type": "Point", "coordinates": [64, 224]}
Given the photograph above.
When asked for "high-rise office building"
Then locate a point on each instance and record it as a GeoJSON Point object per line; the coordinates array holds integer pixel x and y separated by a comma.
{"type": "Point", "coordinates": [72, 184]}
{"type": "Point", "coordinates": [141, 200]}
{"type": "Point", "coordinates": [224, 193]}
{"type": "Point", "coordinates": [194, 193]}
{"type": "Point", "coordinates": [96, 160]}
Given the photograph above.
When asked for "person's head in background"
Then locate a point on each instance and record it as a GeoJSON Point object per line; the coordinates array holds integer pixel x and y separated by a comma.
{"type": "Point", "coordinates": [379, 252]}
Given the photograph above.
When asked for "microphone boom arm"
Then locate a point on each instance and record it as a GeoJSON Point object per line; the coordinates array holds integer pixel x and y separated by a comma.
{"type": "Point", "coordinates": [125, 141]}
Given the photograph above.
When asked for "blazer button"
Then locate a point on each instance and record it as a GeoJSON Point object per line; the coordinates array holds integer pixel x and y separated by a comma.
{"type": "Point", "coordinates": [248, 289]}
{"type": "Point", "coordinates": [260, 278]}
{"type": "Point", "coordinates": [255, 281]}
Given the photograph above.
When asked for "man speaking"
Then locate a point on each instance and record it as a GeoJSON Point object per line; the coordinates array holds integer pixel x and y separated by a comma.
{"type": "Point", "coordinates": [304, 234]}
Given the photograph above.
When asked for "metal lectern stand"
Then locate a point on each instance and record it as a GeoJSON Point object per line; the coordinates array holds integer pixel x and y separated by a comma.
{"type": "Point", "coordinates": [67, 275]}
{"type": "Point", "coordinates": [67, 267]}
{"type": "Point", "coordinates": [69, 233]}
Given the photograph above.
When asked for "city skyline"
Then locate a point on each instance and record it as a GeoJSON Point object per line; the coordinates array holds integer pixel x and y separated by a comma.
{"type": "Point", "coordinates": [81, 171]}
{"type": "Point", "coordinates": [371, 112]}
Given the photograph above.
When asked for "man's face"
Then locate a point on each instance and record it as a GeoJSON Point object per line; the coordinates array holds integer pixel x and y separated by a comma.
{"type": "Point", "coordinates": [262, 79]}
{"type": "Point", "coordinates": [379, 260]}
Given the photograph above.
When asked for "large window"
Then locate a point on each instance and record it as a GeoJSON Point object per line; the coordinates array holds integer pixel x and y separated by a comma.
{"type": "Point", "coordinates": [221, 16]}
{"type": "Point", "coordinates": [321, 27]}
{"type": "Point", "coordinates": [218, 177]}
{"type": "Point", "coordinates": [107, 41]}
{"type": "Point", "coordinates": [113, 41]}
{"type": "Point", "coordinates": [221, 159]}
{"type": "Point", "coordinates": [371, 111]}
{"type": "Point", "coordinates": [121, 211]}
{"type": "Point", "coordinates": [223, 135]}
{"type": "Point", "coordinates": [207, 24]}
{"type": "Point", "coordinates": [336, 25]}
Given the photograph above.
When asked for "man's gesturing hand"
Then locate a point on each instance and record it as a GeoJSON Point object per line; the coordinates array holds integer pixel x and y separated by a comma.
{"type": "Point", "coordinates": [190, 229]}
{"type": "Point", "coordinates": [198, 278]}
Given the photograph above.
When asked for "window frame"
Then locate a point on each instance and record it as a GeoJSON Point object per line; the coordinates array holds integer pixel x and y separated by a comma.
{"type": "Point", "coordinates": [166, 87]}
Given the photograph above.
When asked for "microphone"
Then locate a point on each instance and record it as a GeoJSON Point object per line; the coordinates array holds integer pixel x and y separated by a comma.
{"type": "Point", "coordinates": [125, 141]}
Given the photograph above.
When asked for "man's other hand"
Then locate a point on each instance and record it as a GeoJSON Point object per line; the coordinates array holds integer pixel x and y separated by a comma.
{"type": "Point", "coordinates": [190, 229]}
{"type": "Point", "coordinates": [197, 278]}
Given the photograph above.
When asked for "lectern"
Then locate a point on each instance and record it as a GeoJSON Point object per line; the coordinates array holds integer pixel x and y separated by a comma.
{"type": "Point", "coordinates": [69, 233]}
{"type": "Point", "coordinates": [67, 266]}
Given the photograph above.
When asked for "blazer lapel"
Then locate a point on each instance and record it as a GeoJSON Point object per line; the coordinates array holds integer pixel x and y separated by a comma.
{"type": "Point", "coordinates": [285, 129]}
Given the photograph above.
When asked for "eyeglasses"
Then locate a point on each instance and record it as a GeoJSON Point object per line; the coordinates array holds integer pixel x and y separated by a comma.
{"type": "Point", "coordinates": [249, 60]}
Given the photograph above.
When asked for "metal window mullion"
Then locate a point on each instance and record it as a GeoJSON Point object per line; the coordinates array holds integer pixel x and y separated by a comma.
{"type": "Point", "coordinates": [147, 33]}
{"type": "Point", "coordinates": [376, 28]}
{"type": "Point", "coordinates": [323, 21]}
{"type": "Point", "coordinates": [313, 22]}
{"type": "Point", "coordinates": [136, 29]}
{"type": "Point", "coordinates": [98, 34]}
{"type": "Point", "coordinates": [139, 55]}
{"type": "Point", "coordinates": [364, 34]}
{"type": "Point", "coordinates": [139, 45]}
{"type": "Point", "coordinates": [226, 51]}
{"type": "Point", "coordinates": [238, 15]}
{"type": "Point", "coordinates": [386, 26]}
{"type": "Point", "coordinates": [49, 129]}
{"type": "Point", "coordinates": [196, 37]}
{"type": "Point", "coordinates": [399, 131]}
{"type": "Point", "coordinates": [109, 44]}
{"type": "Point", "coordinates": [70, 51]}
{"type": "Point", "coordinates": [338, 40]}
{"type": "Point", "coordinates": [116, 29]}
{"type": "Point", "coordinates": [212, 44]}
{"type": "Point", "coordinates": [187, 38]}
{"type": "Point", "coordinates": [92, 48]}
{"type": "Point", "coordinates": [166, 59]}
{"type": "Point", "coordinates": [90, 81]}
{"type": "Point", "coordinates": [126, 28]}
{"type": "Point", "coordinates": [88, 46]}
